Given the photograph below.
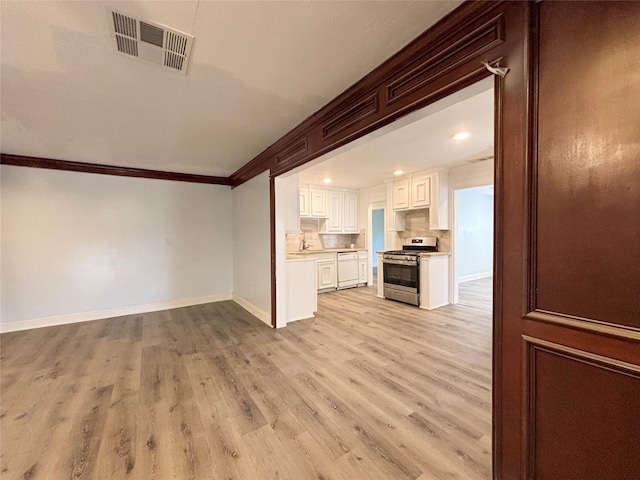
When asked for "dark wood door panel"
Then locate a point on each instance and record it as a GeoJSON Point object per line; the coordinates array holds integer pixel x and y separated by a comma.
{"type": "Point", "coordinates": [588, 162]}
{"type": "Point", "coordinates": [583, 420]}
{"type": "Point", "coordinates": [567, 342]}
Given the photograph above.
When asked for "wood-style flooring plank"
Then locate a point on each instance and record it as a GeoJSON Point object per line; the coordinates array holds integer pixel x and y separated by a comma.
{"type": "Point", "coordinates": [369, 389]}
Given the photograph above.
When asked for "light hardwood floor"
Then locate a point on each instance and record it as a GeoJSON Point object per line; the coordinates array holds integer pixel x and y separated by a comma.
{"type": "Point", "coordinates": [477, 293]}
{"type": "Point", "coordinates": [370, 389]}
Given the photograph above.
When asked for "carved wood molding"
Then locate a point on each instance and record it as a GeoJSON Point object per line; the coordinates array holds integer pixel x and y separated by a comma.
{"type": "Point", "coordinates": [54, 164]}
{"type": "Point", "coordinates": [480, 40]}
{"type": "Point", "coordinates": [418, 75]}
{"type": "Point", "coordinates": [296, 149]}
{"type": "Point", "coordinates": [588, 324]}
{"type": "Point", "coordinates": [351, 116]}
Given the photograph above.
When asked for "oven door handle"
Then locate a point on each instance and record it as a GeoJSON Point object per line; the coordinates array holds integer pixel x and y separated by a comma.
{"type": "Point", "coordinates": [408, 263]}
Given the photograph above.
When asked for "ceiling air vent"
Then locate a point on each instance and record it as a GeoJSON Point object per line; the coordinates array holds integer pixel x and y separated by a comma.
{"type": "Point", "coordinates": [150, 41]}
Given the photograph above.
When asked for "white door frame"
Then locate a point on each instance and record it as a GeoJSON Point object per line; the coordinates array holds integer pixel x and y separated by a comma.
{"type": "Point", "coordinates": [374, 205]}
{"type": "Point", "coordinates": [472, 182]}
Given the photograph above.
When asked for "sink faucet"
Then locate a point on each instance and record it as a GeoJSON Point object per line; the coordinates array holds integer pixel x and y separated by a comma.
{"type": "Point", "coordinates": [303, 244]}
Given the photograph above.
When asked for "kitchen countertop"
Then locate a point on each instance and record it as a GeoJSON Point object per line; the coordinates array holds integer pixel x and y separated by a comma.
{"type": "Point", "coordinates": [423, 254]}
{"type": "Point", "coordinates": [328, 250]}
{"type": "Point", "coordinates": [294, 257]}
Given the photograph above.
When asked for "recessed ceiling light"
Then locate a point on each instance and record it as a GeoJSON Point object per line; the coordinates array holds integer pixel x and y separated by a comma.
{"type": "Point", "coordinates": [327, 180]}
{"type": "Point", "coordinates": [461, 135]}
{"type": "Point", "coordinates": [398, 172]}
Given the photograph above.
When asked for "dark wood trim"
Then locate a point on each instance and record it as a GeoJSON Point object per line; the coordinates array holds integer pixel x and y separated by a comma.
{"type": "Point", "coordinates": [54, 164]}
{"type": "Point", "coordinates": [532, 156]}
{"type": "Point", "coordinates": [496, 390]}
{"type": "Point", "coordinates": [620, 331]}
{"type": "Point", "coordinates": [439, 62]}
{"type": "Point", "coordinates": [272, 227]}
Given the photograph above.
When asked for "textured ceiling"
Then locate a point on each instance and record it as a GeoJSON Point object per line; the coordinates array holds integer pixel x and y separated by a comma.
{"type": "Point", "coordinates": [257, 70]}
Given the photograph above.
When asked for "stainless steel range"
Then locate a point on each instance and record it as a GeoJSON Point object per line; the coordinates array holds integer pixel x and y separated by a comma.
{"type": "Point", "coordinates": [401, 270]}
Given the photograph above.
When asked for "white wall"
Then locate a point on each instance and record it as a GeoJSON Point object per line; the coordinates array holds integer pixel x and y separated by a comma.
{"type": "Point", "coordinates": [475, 233]}
{"type": "Point", "coordinates": [252, 251]}
{"type": "Point", "coordinates": [472, 175]}
{"type": "Point", "coordinates": [96, 245]}
{"type": "Point", "coordinates": [464, 176]}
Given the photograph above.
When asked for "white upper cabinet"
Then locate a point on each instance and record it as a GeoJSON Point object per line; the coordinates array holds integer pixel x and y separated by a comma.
{"type": "Point", "coordinates": [420, 191]}
{"type": "Point", "coordinates": [338, 207]}
{"type": "Point", "coordinates": [318, 202]}
{"type": "Point", "coordinates": [393, 219]}
{"type": "Point", "coordinates": [350, 212]}
{"type": "Point", "coordinates": [401, 194]}
{"type": "Point", "coordinates": [313, 202]}
{"type": "Point", "coordinates": [305, 207]}
{"type": "Point", "coordinates": [334, 213]}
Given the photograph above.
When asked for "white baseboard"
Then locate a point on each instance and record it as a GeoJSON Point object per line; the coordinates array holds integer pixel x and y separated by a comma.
{"type": "Point", "coordinates": [474, 276]}
{"type": "Point", "coordinates": [300, 318]}
{"type": "Point", "coordinates": [110, 313]}
{"type": "Point", "coordinates": [252, 309]}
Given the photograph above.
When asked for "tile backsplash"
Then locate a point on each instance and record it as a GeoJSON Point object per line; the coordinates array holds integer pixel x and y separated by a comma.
{"type": "Point", "coordinates": [310, 228]}
{"type": "Point", "coordinates": [416, 224]}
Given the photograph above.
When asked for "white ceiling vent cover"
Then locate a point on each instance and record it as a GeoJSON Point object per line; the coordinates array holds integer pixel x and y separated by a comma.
{"type": "Point", "coordinates": [149, 41]}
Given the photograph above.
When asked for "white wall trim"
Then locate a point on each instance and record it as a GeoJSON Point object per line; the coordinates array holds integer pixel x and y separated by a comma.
{"type": "Point", "coordinates": [110, 313]}
{"type": "Point", "coordinates": [300, 318]}
{"type": "Point", "coordinates": [252, 309]}
{"type": "Point", "coordinates": [474, 276]}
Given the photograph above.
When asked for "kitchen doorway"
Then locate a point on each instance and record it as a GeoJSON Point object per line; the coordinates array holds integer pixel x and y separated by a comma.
{"type": "Point", "coordinates": [377, 238]}
{"type": "Point", "coordinates": [450, 344]}
{"type": "Point", "coordinates": [472, 255]}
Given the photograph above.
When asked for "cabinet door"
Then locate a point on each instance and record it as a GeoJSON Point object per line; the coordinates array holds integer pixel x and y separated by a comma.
{"type": "Point", "coordinates": [401, 194]}
{"type": "Point", "coordinates": [363, 264]}
{"type": "Point", "coordinates": [439, 209]}
{"type": "Point", "coordinates": [350, 215]}
{"type": "Point", "coordinates": [305, 209]}
{"type": "Point", "coordinates": [318, 200]}
{"type": "Point", "coordinates": [326, 274]}
{"type": "Point", "coordinates": [393, 220]}
{"type": "Point", "coordinates": [334, 215]}
{"type": "Point", "coordinates": [420, 192]}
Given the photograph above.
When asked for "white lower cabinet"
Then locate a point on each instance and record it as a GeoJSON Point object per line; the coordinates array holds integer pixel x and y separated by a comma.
{"type": "Point", "coordinates": [326, 271]}
{"type": "Point", "coordinates": [434, 281]}
{"type": "Point", "coordinates": [363, 267]}
{"type": "Point", "coordinates": [302, 297]}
